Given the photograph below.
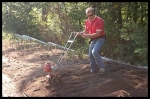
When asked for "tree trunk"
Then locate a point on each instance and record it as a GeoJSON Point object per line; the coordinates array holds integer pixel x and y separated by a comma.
{"type": "Point", "coordinates": [119, 16]}
{"type": "Point", "coordinates": [141, 19]}
{"type": "Point", "coordinates": [44, 14]}
{"type": "Point", "coordinates": [128, 11]}
{"type": "Point", "coordinates": [135, 12]}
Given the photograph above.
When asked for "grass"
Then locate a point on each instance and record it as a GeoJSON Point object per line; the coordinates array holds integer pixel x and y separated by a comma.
{"type": "Point", "coordinates": [6, 35]}
{"type": "Point", "coordinates": [9, 40]}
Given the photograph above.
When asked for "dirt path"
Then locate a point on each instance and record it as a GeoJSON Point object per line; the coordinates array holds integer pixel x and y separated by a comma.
{"type": "Point", "coordinates": [25, 69]}
{"type": "Point", "coordinates": [9, 89]}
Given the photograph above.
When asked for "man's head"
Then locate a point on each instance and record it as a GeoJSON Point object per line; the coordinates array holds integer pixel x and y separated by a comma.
{"type": "Point", "coordinates": [90, 12]}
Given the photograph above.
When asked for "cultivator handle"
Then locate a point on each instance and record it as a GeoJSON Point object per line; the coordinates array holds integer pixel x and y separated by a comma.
{"type": "Point", "coordinates": [70, 41]}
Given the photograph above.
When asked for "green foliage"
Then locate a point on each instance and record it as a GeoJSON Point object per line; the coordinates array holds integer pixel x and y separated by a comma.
{"type": "Point", "coordinates": [6, 35]}
{"type": "Point", "coordinates": [77, 14]}
{"type": "Point", "coordinates": [19, 18]}
{"type": "Point", "coordinates": [80, 54]}
{"type": "Point", "coordinates": [126, 25]}
{"type": "Point", "coordinates": [134, 40]}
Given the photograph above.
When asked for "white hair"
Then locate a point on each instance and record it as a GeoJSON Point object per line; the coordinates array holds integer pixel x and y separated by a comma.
{"type": "Point", "coordinates": [90, 9]}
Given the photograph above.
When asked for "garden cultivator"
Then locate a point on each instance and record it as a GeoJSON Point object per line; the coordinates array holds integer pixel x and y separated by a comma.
{"type": "Point", "coordinates": [50, 69]}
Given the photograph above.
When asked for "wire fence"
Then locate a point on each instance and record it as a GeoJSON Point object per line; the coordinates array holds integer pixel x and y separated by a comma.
{"type": "Point", "coordinates": [24, 42]}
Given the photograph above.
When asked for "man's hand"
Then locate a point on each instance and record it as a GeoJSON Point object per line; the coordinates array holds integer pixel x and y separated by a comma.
{"type": "Point", "coordinates": [84, 35]}
{"type": "Point", "coordinates": [81, 34]}
{"type": "Point", "coordinates": [77, 33]}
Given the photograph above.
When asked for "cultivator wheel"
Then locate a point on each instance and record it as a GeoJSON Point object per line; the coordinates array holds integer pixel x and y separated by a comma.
{"type": "Point", "coordinates": [50, 80]}
{"type": "Point", "coordinates": [53, 80]}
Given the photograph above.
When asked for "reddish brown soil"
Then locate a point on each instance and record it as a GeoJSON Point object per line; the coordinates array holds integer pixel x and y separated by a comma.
{"type": "Point", "coordinates": [74, 78]}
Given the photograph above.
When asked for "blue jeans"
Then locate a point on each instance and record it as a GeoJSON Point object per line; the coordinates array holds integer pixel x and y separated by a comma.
{"type": "Point", "coordinates": [96, 61]}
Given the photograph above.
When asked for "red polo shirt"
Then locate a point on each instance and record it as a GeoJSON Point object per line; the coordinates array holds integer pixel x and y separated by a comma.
{"type": "Point", "coordinates": [96, 24]}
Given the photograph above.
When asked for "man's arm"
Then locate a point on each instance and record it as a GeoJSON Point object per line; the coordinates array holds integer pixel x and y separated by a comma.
{"type": "Point", "coordinates": [84, 32]}
{"type": "Point", "coordinates": [81, 33]}
{"type": "Point", "coordinates": [94, 35]}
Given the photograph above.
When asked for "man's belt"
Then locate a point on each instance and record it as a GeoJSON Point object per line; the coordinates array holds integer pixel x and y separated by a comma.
{"type": "Point", "coordinates": [103, 36]}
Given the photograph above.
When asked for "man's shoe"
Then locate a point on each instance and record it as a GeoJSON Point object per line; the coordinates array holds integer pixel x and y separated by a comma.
{"type": "Point", "coordinates": [94, 71]}
{"type": "Point", "coordinates": [102, 70]}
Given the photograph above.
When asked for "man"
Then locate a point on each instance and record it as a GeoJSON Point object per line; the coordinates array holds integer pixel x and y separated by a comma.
{"type": "Point", "coordinates": [94, 29]}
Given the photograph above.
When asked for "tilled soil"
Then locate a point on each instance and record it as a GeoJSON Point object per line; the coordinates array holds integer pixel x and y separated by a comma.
{"type": "Point", "coordinates": [25, 69]}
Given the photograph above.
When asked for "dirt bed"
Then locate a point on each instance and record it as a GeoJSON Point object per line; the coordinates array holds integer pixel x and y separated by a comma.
{"type": "Point", "coordinates": [25, 69]}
